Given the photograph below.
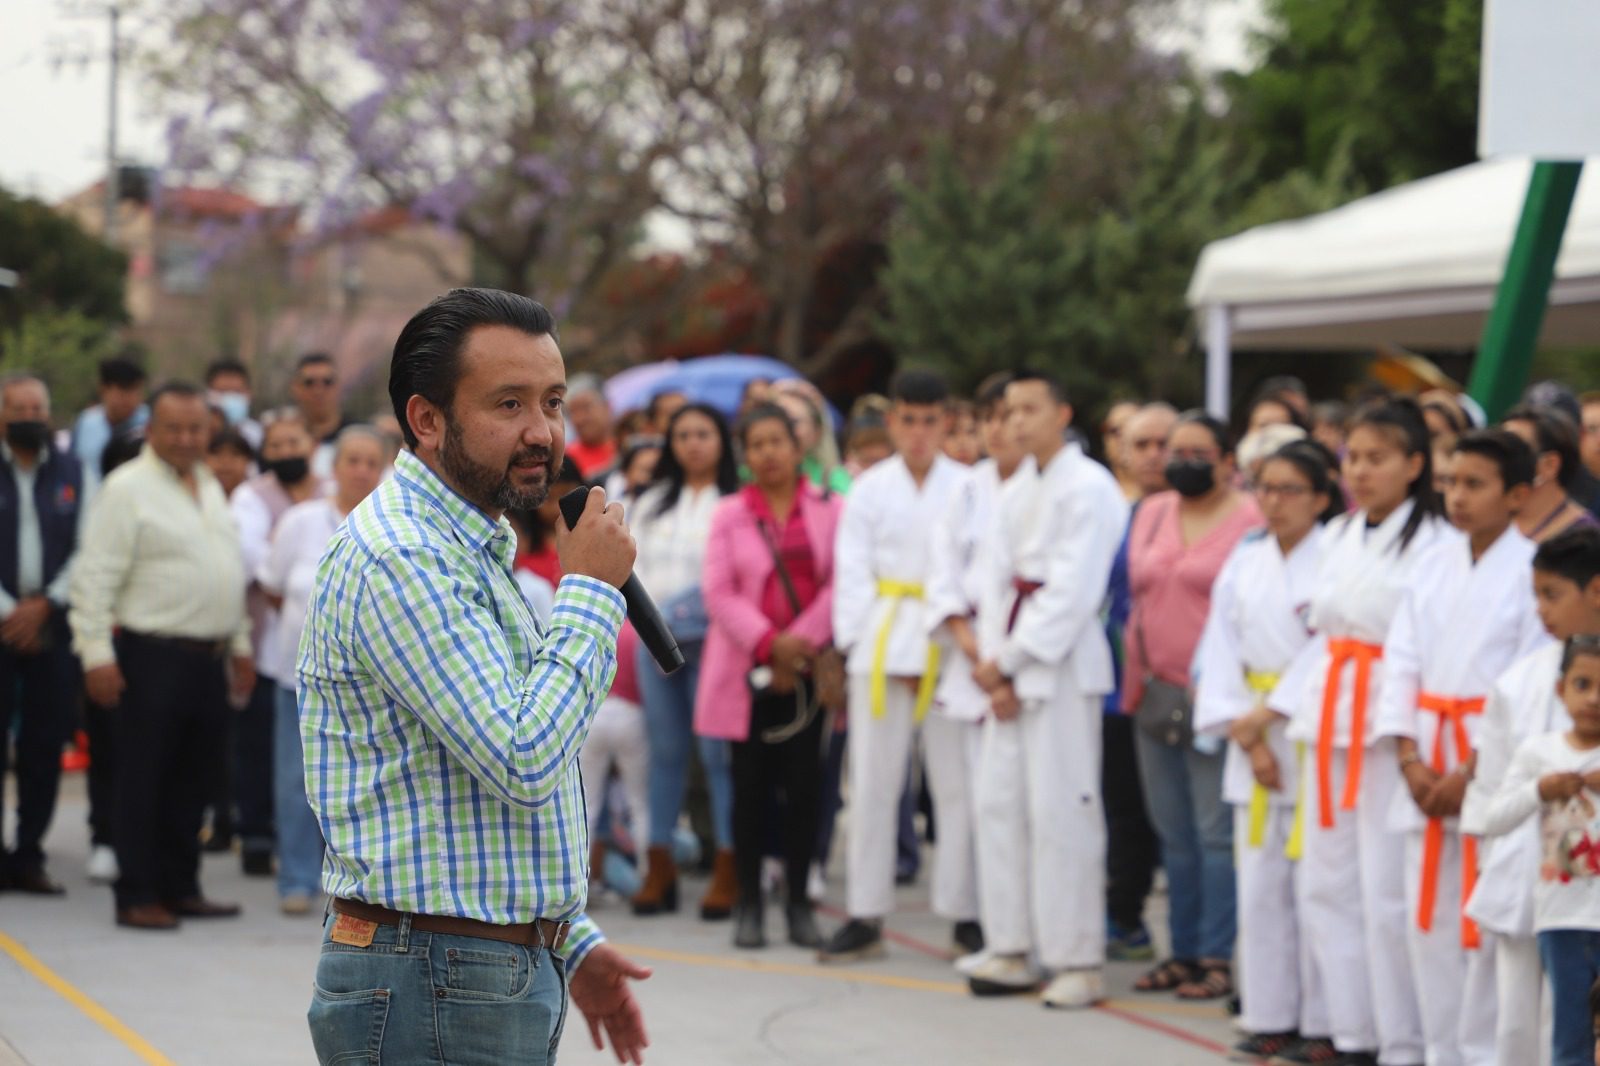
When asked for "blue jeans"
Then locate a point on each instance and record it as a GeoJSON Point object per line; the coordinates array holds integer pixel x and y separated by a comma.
{"type": "Point", "coordinates": [1571, 958]}
{"type": "Point", "coordinates": [299, 832]}
{"type": "Point", "coordinates": [1183, 792]}
{"type": "Point", "coordinates": [413, 998]}
{"type": "Point", "coordinates": [669, 723]}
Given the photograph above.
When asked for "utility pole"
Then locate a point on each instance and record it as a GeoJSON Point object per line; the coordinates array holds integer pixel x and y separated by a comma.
{"type": "Point", "coordinates": [113, 193]}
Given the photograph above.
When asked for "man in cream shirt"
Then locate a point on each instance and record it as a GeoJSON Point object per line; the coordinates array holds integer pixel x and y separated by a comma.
{"type": "Point", "coordinates": [157, 615]}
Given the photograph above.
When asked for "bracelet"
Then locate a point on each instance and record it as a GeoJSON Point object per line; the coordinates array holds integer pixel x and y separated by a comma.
{"type": "Point", "coordinates": [1407, 760]}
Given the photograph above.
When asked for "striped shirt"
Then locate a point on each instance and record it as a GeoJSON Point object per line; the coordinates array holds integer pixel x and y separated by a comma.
{"type": "Point", "coordinates": [441, 722]}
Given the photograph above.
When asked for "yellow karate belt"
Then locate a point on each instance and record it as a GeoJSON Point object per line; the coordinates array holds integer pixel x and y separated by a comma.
{"type": "Point", "coordinates": [894, 592]}
{"type": "Point", "coordinates": [1262, 684]}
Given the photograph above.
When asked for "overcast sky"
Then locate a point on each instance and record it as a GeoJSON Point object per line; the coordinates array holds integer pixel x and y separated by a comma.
{"type": "Point", "coordinates": [53, 105]}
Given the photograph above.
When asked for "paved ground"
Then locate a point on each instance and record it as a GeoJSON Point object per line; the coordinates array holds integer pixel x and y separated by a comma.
{"type": "Point", "coordinates": [74, 989]}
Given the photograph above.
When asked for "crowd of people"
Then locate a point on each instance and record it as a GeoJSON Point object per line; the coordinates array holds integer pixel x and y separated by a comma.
{"type": "Point", "coordinates": [1339, 680]}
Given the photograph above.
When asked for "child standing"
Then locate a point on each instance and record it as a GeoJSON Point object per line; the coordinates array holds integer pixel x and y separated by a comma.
{"type": "Point", "coordinates": [1557, 776]}
{"type": "Point", "coordinates": [1256, 637]}
{"type": "Point", "coordinates": [1524, 703]}
{"type": "Point", "coordinates": [1468, 614]}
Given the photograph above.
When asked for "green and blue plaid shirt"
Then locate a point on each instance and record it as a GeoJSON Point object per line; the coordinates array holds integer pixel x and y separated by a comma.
{"type": "Point", "coordinates": [441, 722]}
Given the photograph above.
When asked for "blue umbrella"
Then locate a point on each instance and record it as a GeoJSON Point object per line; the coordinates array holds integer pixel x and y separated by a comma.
{"type": "Point", "coordinates": [720, 380]}
{"type": "Point", "coordinates": [633, 387]}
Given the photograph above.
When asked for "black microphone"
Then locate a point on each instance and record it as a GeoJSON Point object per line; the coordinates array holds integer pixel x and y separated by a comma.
{"type": "Point", "coordinates": [647, 621]}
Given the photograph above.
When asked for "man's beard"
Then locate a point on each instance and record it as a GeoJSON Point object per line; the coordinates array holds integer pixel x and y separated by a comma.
{"type": "Point", "coordinates": [489, 487]}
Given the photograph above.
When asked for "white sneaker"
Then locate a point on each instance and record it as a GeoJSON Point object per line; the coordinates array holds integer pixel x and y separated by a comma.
{"type": "Point", "coordinates": [967, 965]}
{"type": "Point", "coordinates": [1074, 990]}
{"type": "Point", "coordinates": [816, 883]}
{"type": "Point", "coordinates": [294, 905]}
{"type": "Point", "coordinates": [103, 864]}
{"type": "Point", "coordinates": [1003, 975]}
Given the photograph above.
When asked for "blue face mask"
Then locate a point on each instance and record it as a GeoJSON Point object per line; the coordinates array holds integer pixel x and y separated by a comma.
{"type": "Point", "coordinates": [235, 406]}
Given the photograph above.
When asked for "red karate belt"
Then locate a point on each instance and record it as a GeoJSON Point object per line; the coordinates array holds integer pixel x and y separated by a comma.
{"type": "Point", "coordinates": [1024, 589]}
{"type": "Point", "coordinates": [1452, 711]}
{"type": "Point", "coordinates": [1343, 650]}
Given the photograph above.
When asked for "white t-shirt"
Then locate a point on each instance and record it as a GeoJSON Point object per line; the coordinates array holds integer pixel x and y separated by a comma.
{"type": "Point", "coordinates": [1567, 895]}
{"type": "Point", "coordinates": [290, 569]}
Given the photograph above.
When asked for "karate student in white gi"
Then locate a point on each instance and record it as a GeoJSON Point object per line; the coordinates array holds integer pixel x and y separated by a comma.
{"type": "Point", "coordinates": [1467, 614]}
{"type": "Point", "coordinates": [1351, 883]}
{"type": "Point", "coordinates": [1257, 637]}
{"type": "Point", "coordinates": [953, 732]}
{"type": "Point", "coordinates": [1046, 665]}
{"type": "Point", "coordinates": [1523, 704]}
{"type": "Point", "coordinates": [880, 622]}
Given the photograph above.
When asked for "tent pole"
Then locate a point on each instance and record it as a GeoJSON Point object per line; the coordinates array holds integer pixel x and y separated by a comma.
{"type": "Point", "coordinates": [1506, 351]}
{"type": "Point", "coordinates": [1219, 359]}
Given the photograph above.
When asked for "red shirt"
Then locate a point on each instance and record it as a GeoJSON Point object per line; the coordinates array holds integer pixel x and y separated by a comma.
{"type": "Point", "coordinates": [626, 684]}
{"type": "Point", "coordinates": [794, 548]}
{"type": "Point", "coordinates": [545, 563]}
{"type": "Point", "coordinates": [592, 458]}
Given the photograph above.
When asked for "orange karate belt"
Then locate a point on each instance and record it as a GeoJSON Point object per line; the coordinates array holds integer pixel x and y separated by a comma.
{"type": "Point", "coordinates": [1343, 650]}
{"type": "Point", "coordinates": [1452, 711]}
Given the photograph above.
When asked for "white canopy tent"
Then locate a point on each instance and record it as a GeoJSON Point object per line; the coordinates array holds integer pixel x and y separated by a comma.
{"type": "Point", "coordinates": [1416, 265]}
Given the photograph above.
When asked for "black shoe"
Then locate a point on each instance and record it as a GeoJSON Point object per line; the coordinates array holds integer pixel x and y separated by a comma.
{"type": "Point", "coordinates": [1310, 1051]}
{"type": "Point", "coordinates": [256, 863]}
{"type": "Point", "coordinates": [33, 881]}
{"type": "Point", "coordinates": [749, 925]}
{"type": "Point", "coordinates": [967, 938]}
{"type": "Point", "coordinates": [1356, 1058]}
{"type": "Point", "coordinates": [803, 926]}
{"type": "Point", "coordinates": [857, 939]}
{"type": "Point", "coordinates": [1260, 1046]}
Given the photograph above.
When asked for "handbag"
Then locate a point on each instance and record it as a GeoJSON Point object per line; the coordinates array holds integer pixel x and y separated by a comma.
{"type": "Point", "coordinates": [825, 685]}
{"type": "Point", "coordinates": [1165, 713]}
{"type": "Point", "coordinates": [685, 615]}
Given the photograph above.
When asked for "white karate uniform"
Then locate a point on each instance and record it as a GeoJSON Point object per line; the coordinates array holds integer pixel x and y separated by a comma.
{"type": "Point", "coordinates": [1522, 704]}
{"type": "Point", "coordinates": [1041, 830]}
{"type": "Point", "coordinates": [1257, 629]}
{"type": "Point", "coordinates": [1459, 626]}
{"type": "Point", "coordinates": [952, 734]}
{"type": "Point", "coordinates": [1351, 878]}
{"type": "Point", "coordinates": [883, 542]}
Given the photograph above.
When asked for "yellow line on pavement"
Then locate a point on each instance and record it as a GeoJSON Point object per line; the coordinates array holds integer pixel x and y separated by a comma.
{"type": "Point", "coordinates": [104, 1018]}
{"type": "Point", "coordinates": [867, 977]}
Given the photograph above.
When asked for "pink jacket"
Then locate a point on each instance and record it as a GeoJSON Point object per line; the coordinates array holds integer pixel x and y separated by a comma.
{"type": "Point", "coordinates": [737, 566]}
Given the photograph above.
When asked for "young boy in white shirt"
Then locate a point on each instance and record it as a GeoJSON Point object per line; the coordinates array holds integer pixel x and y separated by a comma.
{"type": "Point", "coordinates": [1557, 777]}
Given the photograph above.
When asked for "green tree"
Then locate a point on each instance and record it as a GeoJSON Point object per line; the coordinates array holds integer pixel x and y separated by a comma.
{"type": "Point", "coordinates": [1393, 87]}
{"type": "Point", "coordinates": [62, 348]}
{"type": "Point", "coordinates": [62, 267]}
{"type": "Point", "coordinates": [980, 277]}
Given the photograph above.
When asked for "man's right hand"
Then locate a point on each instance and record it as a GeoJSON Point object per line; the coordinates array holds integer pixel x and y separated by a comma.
{"type": "Point", "coordinates": [599, 546]}
{"type": "Point", "coordinates": [104, 684]}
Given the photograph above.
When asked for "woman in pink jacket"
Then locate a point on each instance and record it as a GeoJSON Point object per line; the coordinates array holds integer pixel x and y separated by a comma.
{"type": "Point", "coordinates": [768, 624]}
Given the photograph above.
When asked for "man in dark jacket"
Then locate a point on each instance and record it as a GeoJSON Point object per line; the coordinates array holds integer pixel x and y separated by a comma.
{"type": "Point", "coordinates": [41, 496]}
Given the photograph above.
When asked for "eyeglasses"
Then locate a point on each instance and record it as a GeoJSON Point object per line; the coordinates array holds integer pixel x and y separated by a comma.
{"type": "Point", "coordinates": [1288, 492]}
{"type": "Point", "coordinates": [316, 383]}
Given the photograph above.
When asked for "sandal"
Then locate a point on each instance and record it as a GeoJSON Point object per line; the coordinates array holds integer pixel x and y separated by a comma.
{"type": "Point", "coordinates": [1213, 980]}
{"type": "Point", "coordinates": [1167, 976]}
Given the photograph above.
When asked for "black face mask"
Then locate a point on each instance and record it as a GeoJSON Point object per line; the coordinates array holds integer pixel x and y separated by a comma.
{"type": "Point", "coordinates": [288, 471]}
{"type": "Point", "coordinates": [1192, 477]}
{"type": "Point", "coordinates": [27, 436]}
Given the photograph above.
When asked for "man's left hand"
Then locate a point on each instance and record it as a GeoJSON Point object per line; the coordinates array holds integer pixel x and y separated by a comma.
{"type": "Point", "coordinates": [23, 626]}
{"type": "Point", "coordinates": [599, 988]}
{"type": "Point", "coordinates": [1444, 799]}
{"type": "Point", "coordinates": [244, 676]}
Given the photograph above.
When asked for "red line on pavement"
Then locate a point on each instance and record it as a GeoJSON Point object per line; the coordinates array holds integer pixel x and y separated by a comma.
{"type": "Point", "coordinates": [893, 937]}
{"type": "Point", "coordinates": [1131, 1017]}
{"type": "Point", "coordinates": [1168, 1030]}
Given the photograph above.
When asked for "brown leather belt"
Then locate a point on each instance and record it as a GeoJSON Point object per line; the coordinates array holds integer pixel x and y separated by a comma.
{"type": "Point", "coordinates": [541, 933]}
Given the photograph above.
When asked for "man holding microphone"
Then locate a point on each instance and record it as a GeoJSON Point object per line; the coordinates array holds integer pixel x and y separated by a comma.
{"type": "Point", "coordinates": [442, 722]}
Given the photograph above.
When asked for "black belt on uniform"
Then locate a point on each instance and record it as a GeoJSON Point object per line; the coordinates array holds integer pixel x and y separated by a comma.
{"type": "Point", "coordinates": [543, 932]}
{"type": "Point", "coordinates": [215, 648]}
